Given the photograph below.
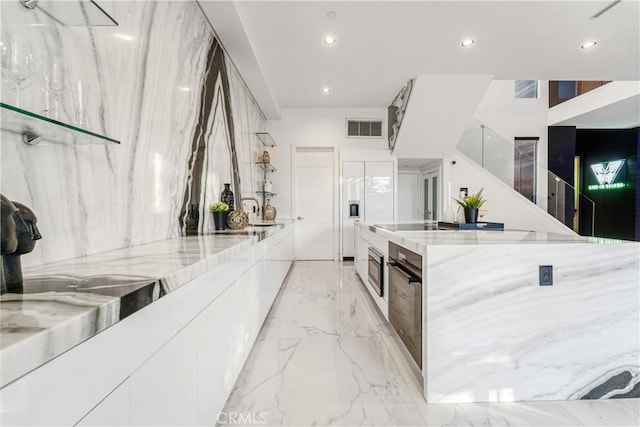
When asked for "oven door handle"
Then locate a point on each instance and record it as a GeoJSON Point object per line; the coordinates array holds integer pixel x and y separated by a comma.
{"type": "Point", "coordinates": [409, 277]}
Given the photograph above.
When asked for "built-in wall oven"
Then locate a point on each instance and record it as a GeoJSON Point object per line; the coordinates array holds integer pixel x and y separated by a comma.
{"type": "Point", "coordinates": [376, 270]}
{"type": "Point", "coordinates": [405, 298]}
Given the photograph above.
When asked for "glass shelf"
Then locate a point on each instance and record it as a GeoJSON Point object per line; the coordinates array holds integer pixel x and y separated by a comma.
{"type": "Point", "coordinates": [267, 193]}
{"type": "Point", "coordinates": [267, 167]}
{"type": "Point", "coordinates": [17, 121]}
{"type": "Point", "coordinates": [266, 139]}
{"type": "Point", "coordinates": [76, 13]}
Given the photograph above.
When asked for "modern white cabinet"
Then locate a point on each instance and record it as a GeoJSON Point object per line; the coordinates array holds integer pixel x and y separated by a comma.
{"type": "Point", "coordinates": [173, 362]}
{"type": "Point", "coordinates": [372, 185]}
{"type": "Point", "coordinates": [163, 389]}
{"type": "Point", "coordinates": [114, 410]}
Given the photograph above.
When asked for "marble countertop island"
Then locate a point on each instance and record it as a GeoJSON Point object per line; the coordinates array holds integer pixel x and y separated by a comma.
{"type": "Point", "coordinates": [493, 331]}
{"type": "Point", "coordinates": [67, 302]}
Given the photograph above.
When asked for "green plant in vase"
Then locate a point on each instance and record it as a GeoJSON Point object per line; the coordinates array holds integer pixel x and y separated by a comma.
{"type": "Point", "coordinates": [220, 211]}
{"type": "Point", "coordinates": [471, 204]}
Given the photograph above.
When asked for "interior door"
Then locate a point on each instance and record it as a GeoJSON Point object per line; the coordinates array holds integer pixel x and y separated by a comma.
{"type": "Point", "coordinates": [408, 196]}
{"type": "Point", "coordinates": [314, 203]}
{"type": "Point", "coordinates": [430, 187]}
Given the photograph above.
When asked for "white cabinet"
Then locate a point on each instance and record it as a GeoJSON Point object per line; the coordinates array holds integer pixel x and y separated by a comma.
{"type": "Point", "coordinates": [114, 410]}
{"type": "Point", "coordinates": [352, 192]}
{"type": "Point", "coordinates": [372, 183]}
{"type": "Point", "coordinates": [171, 363]}
{"type": "Point", "coordinates": [379, 192]}
{"type": "Point", "coordinates": [163, 389]}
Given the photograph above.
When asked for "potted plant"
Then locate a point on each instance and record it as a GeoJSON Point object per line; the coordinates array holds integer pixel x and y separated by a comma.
{"type": "Point", "coordinates": [471, 204]}
{"type": "Point", "coordinates": [220, 211]}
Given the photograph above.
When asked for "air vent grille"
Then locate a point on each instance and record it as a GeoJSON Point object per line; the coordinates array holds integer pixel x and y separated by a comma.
{"type": "Point", "coordinates": [364, 128]}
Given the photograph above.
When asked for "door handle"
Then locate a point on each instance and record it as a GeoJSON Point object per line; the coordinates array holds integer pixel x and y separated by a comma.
{"type": "Point", "coordinates": [300, 218]}
{"type": "Point", "coordinates": [410, 279]}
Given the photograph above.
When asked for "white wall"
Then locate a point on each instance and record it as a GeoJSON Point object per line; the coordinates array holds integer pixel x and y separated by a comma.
{"type": "Point", "coordinates": [321, 127]}
{"type": "Point", "coordinates": [503, 203]}
{"type": "Point", "coordinates": [505, 118]}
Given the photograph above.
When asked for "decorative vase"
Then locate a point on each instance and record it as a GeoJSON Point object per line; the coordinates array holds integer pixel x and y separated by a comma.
{"type": "Point", "coordinates": [265, 157]}
{"type": "Point", "coordinates": [269, 212]}
{"type": "Point", "coordinates": [237, 220]}
{"type": "Point", "coordinates": [220, 219]}
{"type": "Point", "coordinates": [227, 196]}
{"type": "Point", "coordinates": [471, 215]}
{"type": "Point", "coordinates": [268, 186]}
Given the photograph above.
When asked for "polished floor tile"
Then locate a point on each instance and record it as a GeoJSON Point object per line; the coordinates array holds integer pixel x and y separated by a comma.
{"type": "Point", "coordinates": [326, 357]}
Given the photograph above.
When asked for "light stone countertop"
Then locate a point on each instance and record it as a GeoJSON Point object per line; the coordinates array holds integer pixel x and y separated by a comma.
{"type": "Point", "coordinates": [419, 240]}
{"type": "Point", "coordinates": [67, 302]}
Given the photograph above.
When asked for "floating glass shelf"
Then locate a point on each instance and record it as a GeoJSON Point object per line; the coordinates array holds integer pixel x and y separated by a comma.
{"type": "Point", "coordinates": [17, 120]}
{"type": "Point", "coordinates": [266, 139]}
{"type": "Point", "coordinates": [75, 13]}
{"type": "Point", "coordinates": [267, 193]}
{"type": "Point", "coordinates": [267, 167]}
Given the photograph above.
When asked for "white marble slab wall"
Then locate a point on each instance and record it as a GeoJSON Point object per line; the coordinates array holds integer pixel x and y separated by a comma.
{"type": "Point", "coordinates": [494, 334]}
{"type": "Point", "coordinates": [146, 78]}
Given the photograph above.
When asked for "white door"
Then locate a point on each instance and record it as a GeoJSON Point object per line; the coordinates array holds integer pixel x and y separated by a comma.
{"type": "Point", "coordinates": [314, 181]}
{"type": "Point", "coordinates": [431, 195]}
{"type": "Point", "coordinates": [409, 196]}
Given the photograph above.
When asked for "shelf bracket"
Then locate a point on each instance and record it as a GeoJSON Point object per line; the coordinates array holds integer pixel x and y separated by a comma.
{"type": "Point", "coordinates": [29, 4]}
{"type": "Point", "coordinates": [29, 137]}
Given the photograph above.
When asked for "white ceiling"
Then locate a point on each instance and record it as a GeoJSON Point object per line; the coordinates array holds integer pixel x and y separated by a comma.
{"type": "Point", "coordinates": [278, 48]}
{"type": "Point", "coordinates": [623, 114]}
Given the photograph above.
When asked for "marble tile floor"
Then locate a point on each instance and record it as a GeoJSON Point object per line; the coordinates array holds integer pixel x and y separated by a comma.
{"type": "Point", "coordinates": [324, 358]}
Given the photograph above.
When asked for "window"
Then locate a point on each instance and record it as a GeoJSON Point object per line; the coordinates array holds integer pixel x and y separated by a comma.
{"type": "Point", "coordinates": [526, 89]}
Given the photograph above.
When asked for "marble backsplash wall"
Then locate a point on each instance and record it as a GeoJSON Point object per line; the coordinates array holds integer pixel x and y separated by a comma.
{"type": "Point", "coordinates": [147, 77]}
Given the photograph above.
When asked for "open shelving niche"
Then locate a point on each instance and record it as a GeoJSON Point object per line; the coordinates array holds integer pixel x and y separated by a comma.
{"type": "Point", "coordinates": [31, 126]}
{"type": "Point", "coordinates": [266, 168]}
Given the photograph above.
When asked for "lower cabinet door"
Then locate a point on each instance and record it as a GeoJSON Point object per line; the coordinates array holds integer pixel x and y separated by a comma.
{"type": "Point", "coordinates": [114, 410]}
{"type": "Point", "coordinates": [164, 388]}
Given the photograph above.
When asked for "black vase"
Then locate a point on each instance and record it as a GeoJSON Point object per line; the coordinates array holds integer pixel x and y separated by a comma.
{"type": "Point", "coordinates": [220, 220]}
{"type": "Point", "coordinates": [470, 215]}
{"type": "Point", "coordinates": [227, 196]}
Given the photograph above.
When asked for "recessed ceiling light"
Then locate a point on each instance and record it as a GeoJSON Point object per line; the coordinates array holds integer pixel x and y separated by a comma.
{"type": "Point", "coordinates": [329, 40]}
{"type": "Point", "coordinates": [467, 43]}
{"type": "Point", "coordinates": [326, 90]}
{"type": "Point", "coordinates": [588, 45]}
{"type": "Point", "coordinates": [331, 14]}
{"type": "Point", "coordinates": [184, 88]}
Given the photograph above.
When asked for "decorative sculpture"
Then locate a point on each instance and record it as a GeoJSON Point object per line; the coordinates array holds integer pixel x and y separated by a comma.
{"type": "Point", "coordinates": [19, 235]}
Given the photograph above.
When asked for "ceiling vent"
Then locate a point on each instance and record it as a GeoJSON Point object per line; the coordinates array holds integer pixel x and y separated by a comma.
{"type": "Point", "coordinates": [357, 128]}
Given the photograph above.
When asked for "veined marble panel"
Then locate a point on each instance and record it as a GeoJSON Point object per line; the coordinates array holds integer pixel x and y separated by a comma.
{"type": "Point", "coordinates": [494, 334]}
{"type": "Point", "coordinates": [146, 79]}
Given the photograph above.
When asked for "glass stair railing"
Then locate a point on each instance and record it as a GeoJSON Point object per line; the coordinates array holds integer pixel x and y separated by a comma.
{"type": "Point", "coordinates": [541, 186]}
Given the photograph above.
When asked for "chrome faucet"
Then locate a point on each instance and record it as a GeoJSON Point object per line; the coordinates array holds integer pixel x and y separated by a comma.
{"type": "Point", "coordinates": [251, 198]}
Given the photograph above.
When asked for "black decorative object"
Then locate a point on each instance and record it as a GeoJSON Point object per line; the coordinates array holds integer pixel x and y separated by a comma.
{"type": "Point", "coordinates": [227, 196]}
{"type": "Point", "coordinates": [471, 215]}
{"type": "Point", "coordinates": [220, 219]}
{"type": "Point", "coordinates": [19, 235]}
{"type": "Point", "coordinates": [471, 226]}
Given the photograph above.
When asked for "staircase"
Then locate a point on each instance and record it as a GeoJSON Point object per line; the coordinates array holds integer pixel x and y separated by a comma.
{"type": "Point", "coordinates": [551, 194]}
{"type": "Point", "coordinates": [437, 124]}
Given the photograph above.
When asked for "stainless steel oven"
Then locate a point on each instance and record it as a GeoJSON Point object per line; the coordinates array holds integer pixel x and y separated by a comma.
{"type": "Point", "coordinates": [405, 298]}
{"type": "Point", "coordinates": [376, 270]}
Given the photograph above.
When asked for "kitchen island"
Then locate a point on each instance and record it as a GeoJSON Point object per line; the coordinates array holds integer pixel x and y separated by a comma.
{"type": "Point", "coordinates": [491, 332]}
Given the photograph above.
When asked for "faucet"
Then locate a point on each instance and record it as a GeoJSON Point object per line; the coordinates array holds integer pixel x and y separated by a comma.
{"type": "Point", "coordinates": [251, 198]}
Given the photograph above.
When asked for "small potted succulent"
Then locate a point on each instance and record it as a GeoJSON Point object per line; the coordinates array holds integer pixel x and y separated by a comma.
{"type": "Point", "coordinates": [220, 211]}
{"type": "Point", "coordinates": [471, 204]}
